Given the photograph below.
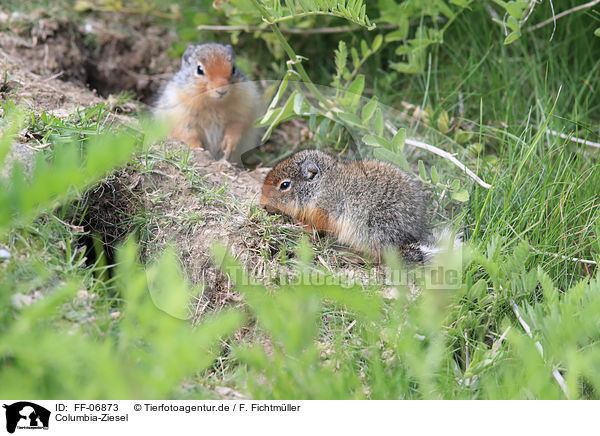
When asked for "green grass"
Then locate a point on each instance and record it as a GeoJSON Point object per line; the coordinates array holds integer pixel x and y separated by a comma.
{"type": "Point", "coordinates": [545, 195]}
{"type": "Point", "coordinates": [525, 239]}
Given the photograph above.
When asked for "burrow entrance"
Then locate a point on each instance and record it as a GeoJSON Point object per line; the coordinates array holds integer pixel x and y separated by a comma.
{"type": "Point", "coordinates": [109, 58]}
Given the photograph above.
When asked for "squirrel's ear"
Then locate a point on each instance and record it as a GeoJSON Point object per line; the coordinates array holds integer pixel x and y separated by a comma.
{"type": "Point", "coordinates": [230, 50]}
{"type": "Point", "coordinates": [186, 58]}
{"type": "Point", "coordinates": [309, 170]}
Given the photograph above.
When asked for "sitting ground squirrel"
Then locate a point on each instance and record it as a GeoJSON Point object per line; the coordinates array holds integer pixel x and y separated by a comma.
{"type": "Point", "coordinates": [210, 102]}
{"type": "Point", "coordinates": [369, 205]}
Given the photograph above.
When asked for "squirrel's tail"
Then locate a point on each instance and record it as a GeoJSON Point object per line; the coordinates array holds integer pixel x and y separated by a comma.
{"type": "Point", "coordinates": [440, 240]}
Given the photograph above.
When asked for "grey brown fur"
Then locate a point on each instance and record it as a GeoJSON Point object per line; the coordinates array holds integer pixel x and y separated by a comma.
{"type": "Point", "coordinates": [369, 205]}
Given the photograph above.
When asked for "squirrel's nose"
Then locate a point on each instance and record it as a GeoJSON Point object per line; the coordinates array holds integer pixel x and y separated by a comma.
{"type": "Point", "coordinates": [221, 92]}
{"type": "Point", "coordinates": [264, 203]}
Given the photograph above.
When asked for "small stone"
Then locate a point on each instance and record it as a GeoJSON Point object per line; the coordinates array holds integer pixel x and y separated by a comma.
{"type": "Point", "coordinates": [21, 300]}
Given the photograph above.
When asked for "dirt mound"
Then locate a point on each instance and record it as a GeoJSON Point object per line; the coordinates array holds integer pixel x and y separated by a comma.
{"type": "Point", "coordinates": [192, 206]}
{"type": "Point", "coordinates": [36, 91]}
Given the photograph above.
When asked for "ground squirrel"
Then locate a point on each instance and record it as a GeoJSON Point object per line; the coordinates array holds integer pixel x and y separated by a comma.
{"type": "Point", "coordinates": [369, 205]}
{"type": "Point", "coordinates": [210, 102]}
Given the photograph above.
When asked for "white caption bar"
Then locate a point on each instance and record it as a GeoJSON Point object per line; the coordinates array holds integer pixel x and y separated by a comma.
{"type": "Point", "coordinates": [245, 417]}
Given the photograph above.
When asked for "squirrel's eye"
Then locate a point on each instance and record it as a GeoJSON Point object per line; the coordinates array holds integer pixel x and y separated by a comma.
{"type": "Point", "coordinates": [233, 70]}
{"type": "Point", "coordinates": [285, 185]}
{"type": "Point", "coordinates": [200, 70]}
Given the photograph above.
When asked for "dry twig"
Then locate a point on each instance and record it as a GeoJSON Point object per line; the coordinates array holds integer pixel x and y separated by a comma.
{"type": "Point", "coordinates": [442, 153]}
{"type": "Point", "coordinates": [574, 139]}
{"type": "Point", "coordinates": [317, 30]}
{"type": "Point", "coordinates": [562, 14]}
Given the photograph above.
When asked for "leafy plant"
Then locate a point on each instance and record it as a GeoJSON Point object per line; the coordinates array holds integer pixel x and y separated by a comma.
{"type": "Point", "coordinates": [342, 112]}
{"type": "Point", "coordinates": [23, 197]}
{"type": "Point", "coordinates": [131, 353]}
{"type": "Point", "coordinates": [138, 359]}
{"type": "Point", "coordinates": [439, 344]}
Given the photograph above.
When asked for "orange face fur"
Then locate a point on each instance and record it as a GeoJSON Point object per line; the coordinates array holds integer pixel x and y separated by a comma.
{"type": "Point", "coordinates": [213, 85]}
{"type": "Point", "coordinates": [275, 201]}
{"type": "Point", "coordinates": [268, 196]}
{"type": "Point", "coordinates": [217, 76]}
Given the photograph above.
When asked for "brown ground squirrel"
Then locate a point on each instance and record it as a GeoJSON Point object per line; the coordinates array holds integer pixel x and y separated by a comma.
{"type": "Point", "coordinates": [211, 103]}
{"type": "Point", "coordinates": [369, 205]}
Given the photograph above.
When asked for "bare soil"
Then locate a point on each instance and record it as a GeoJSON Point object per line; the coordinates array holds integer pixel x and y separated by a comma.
{"type": "Point", "coordinates": [102, 54]}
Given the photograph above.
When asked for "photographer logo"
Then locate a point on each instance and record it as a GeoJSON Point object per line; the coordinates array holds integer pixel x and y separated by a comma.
{"type": "Point", "coordinates": [26, 415]}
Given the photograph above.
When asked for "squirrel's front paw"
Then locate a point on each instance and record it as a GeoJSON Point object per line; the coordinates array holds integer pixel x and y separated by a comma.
{"type": "Point", "coordinates": [231, 141]}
